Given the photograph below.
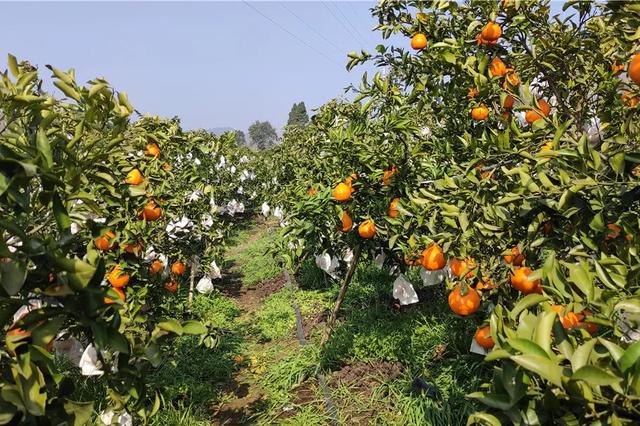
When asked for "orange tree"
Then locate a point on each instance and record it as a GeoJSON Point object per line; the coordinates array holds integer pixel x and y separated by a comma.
{"type": "Point", "coordinates": [509, 138]}
{"type": "Point", "coordinates": [80, 198]}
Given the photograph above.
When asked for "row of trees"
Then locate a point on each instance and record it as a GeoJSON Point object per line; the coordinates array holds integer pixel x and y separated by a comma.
{"type": "Point", "coordinates": [106, 225]}
{"type": "Point", "coordinates": [498, 152]}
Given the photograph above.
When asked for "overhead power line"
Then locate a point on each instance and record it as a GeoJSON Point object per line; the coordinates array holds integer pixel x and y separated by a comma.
{"type": "Point", "coordinates": [339, 49]}
{"type": "Point", "coordinates": [341, 23]}
{"type": "Point", "coordinates": [337, 6]}
{"type": "Point", "coordinates": [292, 34]}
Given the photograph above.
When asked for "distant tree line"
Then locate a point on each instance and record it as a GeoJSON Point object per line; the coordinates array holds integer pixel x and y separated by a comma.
{"type": "Point", "coordinates": [262, 134]}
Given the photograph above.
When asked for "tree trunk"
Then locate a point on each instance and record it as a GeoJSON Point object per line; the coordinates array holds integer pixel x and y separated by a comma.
{"type": "Point", "coordinates": [342, 293]}
{"type": "Point", "coordinates": [194, 267]}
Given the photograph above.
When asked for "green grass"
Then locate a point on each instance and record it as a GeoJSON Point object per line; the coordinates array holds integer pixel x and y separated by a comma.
{"type": "Point", "coordinates": [251, 257]}
{"type": "Point", "coordinates": [369, 330]}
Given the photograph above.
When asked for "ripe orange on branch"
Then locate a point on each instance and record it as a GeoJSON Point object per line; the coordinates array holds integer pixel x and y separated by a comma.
{"type": "Point", "coordinates": [521, 282]}
{"type": "Point", "coordinates": [483, 338]}
{"type": "Point", "coordinates": [515, 258]}
{"type": "Point", "coordinates": [171, 286]}
{"type": "Point", "coordinates": [433, 258]}
{"type": "Point", "coordinates": [465, 304]}
{"type": "Point", "coordinates": [117, 277]}
{"type": "Point", "coordinates": [346, 222]}
{"type": "Point", "coordinates": [480, 113]}
{"type": "Point", "coordinates": [497, 68]}
{"type": "Point", "coordinates": [491, 32]}
{"type": "Point", "coordinates": [367, 229]}
{"type": "Point", "coordinates": [152, 150]}
{"type": "Point", "coordinates": [393, 211]}
{"type": "Point", "coordinates": [418, 41]}
{"type": "Point", "coordinates": [388, 174]}
{"type": "Point", "coordinates": [634, 69]}
{"type": "Point", "coordinates": [178, 268]}
{"type": "Point", "coordinates": [103, 242]}
{"type": "Point", "coordinates": [458, 267]}
{"type": "Point", "coordinates": [151, 212]}
{"type": "Point", "coordinates": [134, 177]}
{"type": "Point", "coordinates": [156, 267]}
{"type": "Point", "coordinates": [532, 115]}
{"type": "Point", "coordinates": [342, 192]}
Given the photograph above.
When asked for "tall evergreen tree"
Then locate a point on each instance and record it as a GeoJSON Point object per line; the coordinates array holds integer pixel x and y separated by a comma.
{"type": "Point", "coordinates": [298, 115]}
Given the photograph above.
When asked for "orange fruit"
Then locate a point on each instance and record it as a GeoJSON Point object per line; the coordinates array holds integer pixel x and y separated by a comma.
{"type": "Point", "coordinates": [630, 99]}
{"type": "Point", "coordinates": [473, 92]}
{"type": "Point", "coordinates": [103, 241]}
{"type": "Point", "coordinates": [485, 284]}
{"type": "Point", "coordinates": [117, 278]}
{"type": "Point", "coordinates": [569, 320]}
{"type": "Point", "coordinates": [613, 231]}
{"type": "Point", "coordinates": [459, 266]}
{"type": "Point", "coordinates": [134, 177]}
{"type": "Point", "coordinates": [634, 69]}
{"type": "Point", "coordinates": [483, 337]}
{"type": "Point", "coordinates": [497, 68]}
{"type": "Point", "coordinates": [508, 102]}
{"type": "Point", "coordinates": [342, 192]}
{"type": "Point", "coordinates": [153, 150]}
{"type": "Point", "coordinates": [513, 79]}
{"type": "Point", "coordinates": [120, 293]}
{"type": "Point", "coordinates": [312, 191]}
{"type": "Point", "coordinates": [150, 212]}
{"type": "Point", "coordinates": [480, 113]}
{"type": "Point", "coordinates": [156, 267]}
{"type": "Point", "coordinates": [532, 115]}
{"type": "Point", "coordinates": [132, 248]}
{"type": "Point", "coordinates": [387, 175]}
{"type": "Point", "coordinates": [171, 286]}
{"type": "Point", "coordinates": [521, 282]}
{"type": "Point", "coordinates": [515, 258]}
{"type": "Point", "coordinates": [393, 211]}
{"type": "Point", "coordinates": [418, 41]}
{"type": "Point", "coordinates": [347, 223]}
{"type": "Point", "coordinates": [178, 268]}
{"type": "Point", "coordinates": [464, 304]}
{"type": "Point", "coordinates": [367, 229]}
{"type": "Point", "coordinates": [433, 258]}
{"type": "Point", "coordinates": [491, 32]}
{"type": "Point", "coordinates": [616, 68]}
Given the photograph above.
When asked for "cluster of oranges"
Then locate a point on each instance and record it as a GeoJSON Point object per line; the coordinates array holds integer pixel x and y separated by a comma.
{"type": "Point", "coordinates": [342, 193]}
{"type": "Point", "coordinates": [117, 277]}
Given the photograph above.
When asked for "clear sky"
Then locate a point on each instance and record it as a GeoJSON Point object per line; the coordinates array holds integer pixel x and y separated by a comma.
{"type": "Point", "coordinates": [212, 64]}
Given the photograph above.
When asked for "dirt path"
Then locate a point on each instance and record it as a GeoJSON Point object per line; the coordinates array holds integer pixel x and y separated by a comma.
{"type": "Point", "coordinates": [243, 395]}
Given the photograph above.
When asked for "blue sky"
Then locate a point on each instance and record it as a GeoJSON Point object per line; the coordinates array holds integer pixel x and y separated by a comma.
{"type": "Point", "coordinates": [212, 64]}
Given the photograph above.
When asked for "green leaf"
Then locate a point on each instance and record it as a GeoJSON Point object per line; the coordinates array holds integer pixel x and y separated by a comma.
{"type": "Point", "coordinates": [581, 355]}
{"type": "Point", "coordinates": [193, 327]}
{"type": "Point", "coordinates": [80, 412]}
{"type": "Point", "coordinates": [12, 276]}
{"type": "Point", "coordinates": [582, 278]}
{"type": "Point", "coordinates": [13, 65]}
{"type": "Point", "coordinates": [44, 148]}
{"type": "Point", "coordinates": [595, 376]}
{"type": "Point", "coordinates": [630, 357]}
{"type": "Point", "coordinates": [543, 367]}
{"type": "Point", "coordinates": [527, 347]}
{"type": "Point", "coordinates": [171, 326]}
{"type": "Point", "coordinates": [60, 213]}
{"type": "Point", "coordinates": [526, 302]}
{"type": "Point", "coordinates": [542, 332]}
{"type": "Point", "coordinates": [483, 419]}
{"type": "Point", "coordinates": [493, 400]}
{"type": "Point", "coordinates": [79, 272]}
